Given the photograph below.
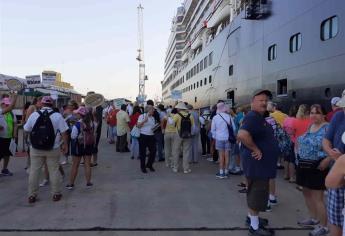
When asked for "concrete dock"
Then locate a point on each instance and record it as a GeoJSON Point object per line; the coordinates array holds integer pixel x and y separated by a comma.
{"type": "Point", "coordinates": [123, 201]}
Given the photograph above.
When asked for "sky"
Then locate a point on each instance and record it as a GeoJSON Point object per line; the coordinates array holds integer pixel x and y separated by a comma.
{"type": "Point", "coordinates": [92, 43]}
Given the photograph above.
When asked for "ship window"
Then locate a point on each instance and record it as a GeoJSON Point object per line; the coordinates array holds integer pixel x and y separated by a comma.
{"type": "Point", "coordinates": [201, 65]}
{"type": "Point", "coordinates": [205, 62]}
{"type": "Point", "coordinates": [194, 70]}
{"type": "Point", "coordinates": [329, 28]}
{"type": "Point", "coordinates": [295, 42]}
{"type": "Point", "coordinates": [210, 79]}
{"type": "Point", "coordinates": [328, 93]}
{"type": "Point", "coordinates": [272, 52]}
{"type": "Point", "coordinates": [231, 70]}
{"type": "Point", "coordinates": [282, 87]}
{"type": "Point", "coordinates": [210, 58]}
{"type": "Point", "coordinates": [194, 85]}
{"type": "Point", "coordinates": [205, 81]}
{"type": "Point", "coordinates": [197, 84]}
{"type": "Point", "coordinates": [197, 68]}
{"type": "Point", "coordinates": [195, 99]}
{"type": "Point", "coordinates": [200, 83]}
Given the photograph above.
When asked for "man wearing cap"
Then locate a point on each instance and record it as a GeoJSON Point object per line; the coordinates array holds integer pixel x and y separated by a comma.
{"type": "Point", "coordinates": [259, 152]}
{"type": "Point", "coordinates": [50, 156]}
{"type": "Point", "coordinates": [7, 131]}
{"type": "Point", "coordinates": [335, 108]}
{"type": "Point", "coordinates": [184, 143]}
{"type": "Point", "coordinates": [204, 121]}
{"type": "Point", "coordinates": [334, 147]}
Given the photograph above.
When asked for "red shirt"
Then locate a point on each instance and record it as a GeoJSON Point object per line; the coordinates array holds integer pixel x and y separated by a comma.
{"type": "Point", "coordinates": [331, 114]}
{"type": "Point", "coordinates": [134, 120]}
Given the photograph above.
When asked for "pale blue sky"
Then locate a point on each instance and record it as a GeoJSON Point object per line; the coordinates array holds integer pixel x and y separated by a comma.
{"type": "Point", "coordinates": [92, 43]}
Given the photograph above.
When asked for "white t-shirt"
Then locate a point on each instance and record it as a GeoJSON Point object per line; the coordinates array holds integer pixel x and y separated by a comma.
{"type": "Point", "coordinates": [147, 126]}
{"type": "Point", "coordinates": [59, 124]}
{"type": "Point", "coordinates": [219, 128]}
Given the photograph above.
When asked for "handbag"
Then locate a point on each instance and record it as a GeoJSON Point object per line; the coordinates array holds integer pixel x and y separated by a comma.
{"type": "Point", "coordinates": [135, 132]}
{"type": "Point", "coordinates": [13, 147]}
{"type": "Point", "coordinates": [308, 164]}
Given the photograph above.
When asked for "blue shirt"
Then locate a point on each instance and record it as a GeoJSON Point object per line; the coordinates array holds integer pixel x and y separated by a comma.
{"type": "Point", "coordinates": [310, 145]}
{"type": "Point", "coordinates": [263, 136]}
{"type": "Point", "coordinates": [335, 130]}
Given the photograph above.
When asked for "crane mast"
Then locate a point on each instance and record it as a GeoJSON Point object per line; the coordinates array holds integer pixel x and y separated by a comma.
{"type": "Point", "coordinates": [141, 96]}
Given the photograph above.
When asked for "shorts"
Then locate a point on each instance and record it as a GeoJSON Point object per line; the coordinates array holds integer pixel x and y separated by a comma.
{"type": "Point", "coordinates": [222, 145]}
{"type": "Point", "coordinates": [335, 205]}
{"type": "Point", "coordinates": [5, 147]}
{"type": "Point", "coordinates": [80, 150]}
{"type": "Point", "coordinates": [257, 194]}
{"type": "Point", "coordinates": [311, 178]}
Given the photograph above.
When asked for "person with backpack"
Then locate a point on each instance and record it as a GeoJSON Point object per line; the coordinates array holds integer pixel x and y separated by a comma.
{"type": "Point", "coordinates": [194, 156]}
{"type": "Point", "coordinates": [83, 140]}
{"type": "Point", "coordinates": [222, 128]}
{"type": "Point", "coordinates": [7, 131]}
{"type": "Point", "coordinates": [44, 125]}
{"type": "Point", "coordinates": [111, 121]}
{"type": "Point", "coordinates": [184, 122]}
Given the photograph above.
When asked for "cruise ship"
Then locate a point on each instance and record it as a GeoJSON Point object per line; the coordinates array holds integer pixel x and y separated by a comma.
{"type": "Point", "coordinates": [225, 49]}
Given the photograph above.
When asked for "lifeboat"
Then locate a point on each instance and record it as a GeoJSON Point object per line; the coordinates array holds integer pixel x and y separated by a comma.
{"type": "Point", "coordinates": [222, 12]}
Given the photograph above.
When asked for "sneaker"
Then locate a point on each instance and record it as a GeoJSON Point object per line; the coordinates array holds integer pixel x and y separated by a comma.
{"type": "Point", "coordinates": [261, 231]}
{"type": "Point", "coordinates": [210, 159]}
{"type": "Point", "coordinates": [308, 222]}
{"type": "Point", "coordinates": [244, 190]}
{"type": "Point", "coordinates": [174, 170]}
{"type": "Point", "coordinates": [6, 172]}
{"type": "Point", "coordinates": [187, 171]}
{"type": "Point", "coordinates": [262, 221]}
{"type": "Point", "coordinates": [268, 208]}
{"type": "Point", "coordinates": [220, 176]}
{"type": "Point", "coordinates": [70, 186]}
{"type": "Point", "coordinates": [45, 182]}
{"type": "Point", "coordinates": [89, 185]}
{"type": "Point", "coordinates": [319, 231]}
{"type": "Point", "coordinates": [273, 202]}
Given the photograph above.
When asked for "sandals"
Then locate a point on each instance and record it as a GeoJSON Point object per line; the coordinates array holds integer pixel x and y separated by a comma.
{"type": "Point", "coordinates": [32, 199]}
{"type": "Point", "coordinates": [57, 197]}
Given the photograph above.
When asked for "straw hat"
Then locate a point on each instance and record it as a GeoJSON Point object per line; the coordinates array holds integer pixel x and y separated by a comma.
{"type": "Point", "coordinates": [181, 106]}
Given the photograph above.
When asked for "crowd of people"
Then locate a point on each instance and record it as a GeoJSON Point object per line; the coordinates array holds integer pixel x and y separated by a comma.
{"type": "Point", "coordinates": [253, 141]}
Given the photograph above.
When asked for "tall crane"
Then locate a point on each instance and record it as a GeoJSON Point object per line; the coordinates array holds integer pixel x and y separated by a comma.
{"type": "Point", "coordinates": [142, 77]}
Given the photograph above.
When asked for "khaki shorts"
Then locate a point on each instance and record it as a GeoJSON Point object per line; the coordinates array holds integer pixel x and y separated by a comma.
{"type": "Point", "coordinates": [257, 195]}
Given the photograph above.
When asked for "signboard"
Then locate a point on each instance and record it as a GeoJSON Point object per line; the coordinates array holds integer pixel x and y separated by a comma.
{"type": "Point", "coordinates": [48, 78]}
{"type": "Point", "coordinates": [118, 102]}
{"type": "Point", "coordinates": [229, 102]}
{"type": "Point", "coordinates": [33, 81]}
{"type": "Point", "coordinates": [176, 94]}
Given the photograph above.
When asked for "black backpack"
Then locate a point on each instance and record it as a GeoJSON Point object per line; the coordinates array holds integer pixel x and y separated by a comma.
{"type": "Point", "coordinates": [232, 137]}
{"type": "Point", "coordinates": [185, 127]}
{"type": "Point", "coordinates": [42, 136]}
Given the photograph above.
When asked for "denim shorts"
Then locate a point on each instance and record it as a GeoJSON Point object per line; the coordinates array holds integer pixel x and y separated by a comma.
{"type": "Point", "coordinates": [222, 145]}
{"type": "Point", "coordinates": [335, 205]}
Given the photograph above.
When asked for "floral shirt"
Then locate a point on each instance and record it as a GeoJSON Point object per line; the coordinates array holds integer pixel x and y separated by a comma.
{"type": "Point", "coordinates": [310, 144]}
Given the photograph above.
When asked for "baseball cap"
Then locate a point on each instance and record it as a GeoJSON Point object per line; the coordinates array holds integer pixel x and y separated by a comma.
{"type": "Point", "coordinates": [335, 100]}
{"type": "Point", "coordinates": [47, 100]}
{"type": "Point", "coordinates": [341, 102]}
{"type": "Point", "coordinates": [81, 111]}
{"type": "Point", "coordinates": [262, 91]}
